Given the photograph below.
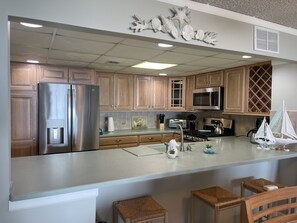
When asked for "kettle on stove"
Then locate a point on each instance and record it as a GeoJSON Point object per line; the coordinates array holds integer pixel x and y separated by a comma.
{"type": "Point", "coordinates": [218, 128]}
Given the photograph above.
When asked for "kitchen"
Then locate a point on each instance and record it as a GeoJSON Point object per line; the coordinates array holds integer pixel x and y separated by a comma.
{"type": "Point", "coordinates": [278, 68]}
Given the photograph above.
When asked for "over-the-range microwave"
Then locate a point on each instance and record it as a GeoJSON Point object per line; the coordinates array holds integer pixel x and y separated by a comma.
{"type": "Point", "coordinates": [208, 98]}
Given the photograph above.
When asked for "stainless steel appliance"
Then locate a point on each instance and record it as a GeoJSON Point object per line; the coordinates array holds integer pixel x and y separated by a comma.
{"type": "Point", "coordinates": [208, 98]}
{"type": "Point", "coordinates": [68, 117]}
{"type": "Point", "coordinates": [208, 130]}
{"type": "Point", "coordinates": [173, 123]}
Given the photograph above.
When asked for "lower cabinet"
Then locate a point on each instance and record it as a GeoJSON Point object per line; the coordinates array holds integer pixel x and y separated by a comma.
{"type": "Point", "coordinates": [117, 142]}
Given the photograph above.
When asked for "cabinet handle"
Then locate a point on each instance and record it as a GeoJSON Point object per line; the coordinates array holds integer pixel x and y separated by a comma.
{"type": "Point", "coordinates": [150, 138]}
{"type": "Point", "coordinates": [118, 140]}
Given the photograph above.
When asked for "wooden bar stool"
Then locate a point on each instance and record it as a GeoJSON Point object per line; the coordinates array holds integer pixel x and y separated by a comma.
{"type": "Point", "coordinates": [217, 198]}
{"type": "Point", "coordinates": [257, 185]}
{"type": "Point", "coordinates": [140, 209]}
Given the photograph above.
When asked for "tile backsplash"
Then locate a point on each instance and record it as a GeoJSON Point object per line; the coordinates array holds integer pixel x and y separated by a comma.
{"type": "Point", "coordinates": [243, 123]}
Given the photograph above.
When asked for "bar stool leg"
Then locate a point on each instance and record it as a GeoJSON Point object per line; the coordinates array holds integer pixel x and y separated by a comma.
{"type": "Point", "coordinates": [115, 214]}
{"type": "Point", "coordinates": [192, 208]}
{"type": "Point", "coordinates": [216, 215]}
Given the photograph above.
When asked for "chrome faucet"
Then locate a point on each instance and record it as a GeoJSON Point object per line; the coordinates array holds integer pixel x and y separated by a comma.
{"type": "Point", "coordinates": [182, 148]}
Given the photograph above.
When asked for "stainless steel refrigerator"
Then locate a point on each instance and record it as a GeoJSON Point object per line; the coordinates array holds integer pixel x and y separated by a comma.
{"type": "Point", "coordinates": [68, 118]}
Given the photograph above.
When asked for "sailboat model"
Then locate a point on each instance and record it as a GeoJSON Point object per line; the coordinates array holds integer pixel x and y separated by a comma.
{"type": "Point", "coordinates": [279, 132]}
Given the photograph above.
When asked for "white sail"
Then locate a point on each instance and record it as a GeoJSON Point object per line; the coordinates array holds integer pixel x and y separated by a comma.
{"type": "Point", "coordinates": [287, 127]}
{"type": "Point", "coordinates": [264, 134]}
{"type": "Point", "coordinates": [281, 125]}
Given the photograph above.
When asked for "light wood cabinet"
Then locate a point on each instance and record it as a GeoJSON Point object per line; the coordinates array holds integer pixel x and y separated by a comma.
{"type": "Point", "coordinates": [81, 76]}
{"type": "Point", "coordinates": [177, 93]}
{"type": "Point", "coordinates": [248, 89]}
{"type": "Point", "coordinates": [149, 139]}
{"type": "Point", "coordinates": [23, 123]}
{"type": "Point", "coordinates": [52, 74]}
{"type": "Point", "coordinates": [190, 86]}
{"type": "Point", "coordinates": [23, 76]}
{"type": "Point", "coordinates": [213, 79]}
{"type": "Point", "coordinates": [150, 93]}
{"type": "Point", "coordinates": [123, 92]}
{"type": "Point", "coordinates": [234, 90]}
{"type": "Point", "coordinates": [168, 136]}
{"type": "Point", "coordinates": [118, 142]}
{"type": "Point", "coordinates": [106, 89]}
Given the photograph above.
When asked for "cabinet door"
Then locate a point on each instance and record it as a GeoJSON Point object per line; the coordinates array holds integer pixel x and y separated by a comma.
{"type": "Point", "coordinates": [23, 121]}
{"type": "Point", "coordinates": [201, 80]}
{"type": "Point", "coordinates": [23, 148]}
{"type": "Point", "coordinates": [142, 93]}
{"type": "Point", "coordinates": [215, 79]}
{"type": "Point", "coordinates": [106, 97]}
{"type": "Point", "coordinates": [190, 86]}
{"type": "Point", "coordinates": [234, 88]}
{"type": "Point", "coordinates": [81, 76]}
{"type": "Point", "coordinates": [159, 93]}
{"type": "Point", "coordinates": [123, 92]}
{"type": "Point", "coordinates": [23, 76]}
{"type": "Point", "coordinates": [148, 139]}
{"type": "Point", "coordinates": [177, 93]}
{"type": "Point", "coordinates": [52, 74]}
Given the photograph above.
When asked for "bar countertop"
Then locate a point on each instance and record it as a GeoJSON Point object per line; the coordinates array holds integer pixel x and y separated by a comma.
{"type": "Point", "coordinates": [46, 175]}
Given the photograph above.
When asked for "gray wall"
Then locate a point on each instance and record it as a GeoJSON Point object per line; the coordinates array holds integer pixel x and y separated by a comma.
{"type": "Point", "coordinates": [113, 16]}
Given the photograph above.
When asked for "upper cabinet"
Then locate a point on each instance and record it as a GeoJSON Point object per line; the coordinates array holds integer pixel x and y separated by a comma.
{"type": "Point", "coordinates": [234, 90]}
{"type": "Point", "coordinates": [106, 90]}
{"type": "Point", "coordinates": [248, 89]}
{"type": "Point", "coordinates": [23, 123]}
{"type": "Point", "coordinates": [150, 93]}
{"type": "Point", "coordinates": [214, 79]}
{"type": "Point", "coordinates": [259, 88]}
{"type": "Point", "coordinates": [177, 93]}
{"type": "Point", "coordinates": [52, 74]}
{"type": "Point", "coordinates": [123, 92]}
{"type": "Point", "coordinates": [23, 76]}
{"type": "Point", "coordinates": [81, 76]}
{"type": "Point", "coordinates": [56, 74]}
{"type": "Point", "coordinates": [190, 86]}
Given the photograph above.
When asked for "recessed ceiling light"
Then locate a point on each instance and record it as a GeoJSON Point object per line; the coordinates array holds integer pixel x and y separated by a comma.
{"type": "Point", "coordinates": [165, 45]}
{"type": "Point", "coordinates": [32, 61]}
{"type": "Point", "coordinates": [156, 66]}
{"type": "Point", "coordinates": [31, 25]}
{"type": "Point", "coordinates": [162, 74]}
{"type": "Point", "coordinates": [246, 57]}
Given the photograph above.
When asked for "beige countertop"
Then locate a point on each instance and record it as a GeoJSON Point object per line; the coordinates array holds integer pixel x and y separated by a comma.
{"type": "Point", "coordinates": [46, 175]}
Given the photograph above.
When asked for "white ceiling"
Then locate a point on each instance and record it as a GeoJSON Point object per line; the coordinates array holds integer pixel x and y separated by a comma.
{"type": "Point", "coordinates": [63, 47]}
{"type": "Point", "coordinates": [282, 12]}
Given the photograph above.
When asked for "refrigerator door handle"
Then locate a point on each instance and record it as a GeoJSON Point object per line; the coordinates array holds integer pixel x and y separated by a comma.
{"type": "Point", "coordinates": [69, 114]}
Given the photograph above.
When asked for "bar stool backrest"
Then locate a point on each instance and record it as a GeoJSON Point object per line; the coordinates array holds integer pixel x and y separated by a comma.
{"type": "Point", "coordinates": [276, 206]}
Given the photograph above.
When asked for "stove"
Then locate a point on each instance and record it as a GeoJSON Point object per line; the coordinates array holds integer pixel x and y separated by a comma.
{"type": "Point", "coordinates": [208, 130]}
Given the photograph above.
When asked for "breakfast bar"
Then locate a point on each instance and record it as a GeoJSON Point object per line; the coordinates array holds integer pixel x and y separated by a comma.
{"type": "Point", "coordinates": [115, 172]}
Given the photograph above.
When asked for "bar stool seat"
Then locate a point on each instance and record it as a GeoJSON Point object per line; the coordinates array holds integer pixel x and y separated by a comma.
{"type": "Point", "coordinates": [257, 185]}
{"type": "Point", "coordinates": [217, 198]}
{"type": "Point", "coordinates": [140, 209]}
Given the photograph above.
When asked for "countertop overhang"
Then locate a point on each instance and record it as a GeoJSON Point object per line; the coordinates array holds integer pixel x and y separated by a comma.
{"type": "Point", "coordinates": [47, 175]}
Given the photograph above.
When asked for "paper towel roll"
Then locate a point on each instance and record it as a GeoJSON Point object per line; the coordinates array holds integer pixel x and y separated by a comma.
{"type": "Point", "coordinates": [110, 124]}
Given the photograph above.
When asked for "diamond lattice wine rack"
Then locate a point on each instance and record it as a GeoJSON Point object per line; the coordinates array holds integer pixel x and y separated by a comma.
{"type": "Point", "coordinates": [259, 97]}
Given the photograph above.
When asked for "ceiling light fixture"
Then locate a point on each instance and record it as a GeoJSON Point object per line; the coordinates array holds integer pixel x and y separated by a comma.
{"type": "Point", "coordinates": [32, 61]}
{"type": "Point", "coordinates": [164, 45]}
{"type": "Point", "coordinates": [246, 57]}
{"type": "Point", "coordinates": [31, 25]}
{"type": "Point", "coordinates": [155, 66]}
{"type": "Point", "coordinates": [162, 74]}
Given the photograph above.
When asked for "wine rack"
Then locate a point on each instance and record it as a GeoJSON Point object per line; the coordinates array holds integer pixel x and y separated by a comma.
{"type": "Point", "coordinates": [259, 92]}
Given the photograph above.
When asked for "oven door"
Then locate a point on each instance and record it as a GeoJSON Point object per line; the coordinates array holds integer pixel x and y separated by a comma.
{"type": "Point", "coordinates": [208, 98]}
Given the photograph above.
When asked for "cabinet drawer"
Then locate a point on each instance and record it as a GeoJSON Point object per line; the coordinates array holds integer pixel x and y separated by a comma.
{"type": "Point", "coordinates": [118, 140]}
{"type": "Point", "coordinates": [150, 138]}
